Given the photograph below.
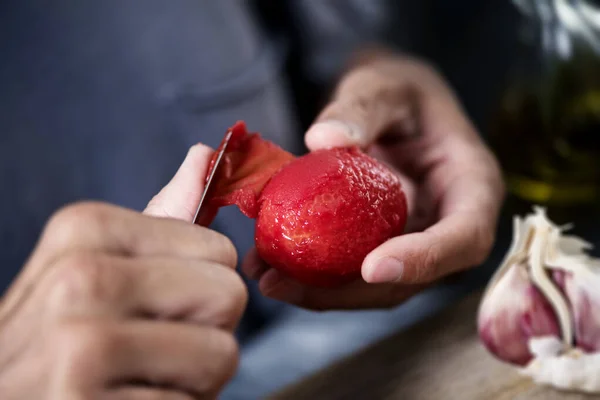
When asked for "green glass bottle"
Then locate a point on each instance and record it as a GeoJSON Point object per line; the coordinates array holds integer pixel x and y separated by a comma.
{"type": "Point", "coordinates": [546, 128]}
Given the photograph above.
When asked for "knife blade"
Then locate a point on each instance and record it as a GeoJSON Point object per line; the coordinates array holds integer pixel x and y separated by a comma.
{"type": "Point", "coordinates": [216, 162]}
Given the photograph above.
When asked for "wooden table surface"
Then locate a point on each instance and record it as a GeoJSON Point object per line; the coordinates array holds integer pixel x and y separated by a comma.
{"type": "Point", "coordinates": [440, 358]}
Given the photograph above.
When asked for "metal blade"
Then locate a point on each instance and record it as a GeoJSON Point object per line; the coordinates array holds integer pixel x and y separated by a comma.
{"type": "Point", "coordinates": [202, 207]}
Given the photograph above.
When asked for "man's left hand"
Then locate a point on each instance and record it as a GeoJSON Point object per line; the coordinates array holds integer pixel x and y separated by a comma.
{"type": "Point", "coordinates": [402, 112]}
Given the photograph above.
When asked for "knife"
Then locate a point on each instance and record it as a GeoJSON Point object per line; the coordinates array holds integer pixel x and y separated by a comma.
{"type": "Point", "coordinates": [203, 210]}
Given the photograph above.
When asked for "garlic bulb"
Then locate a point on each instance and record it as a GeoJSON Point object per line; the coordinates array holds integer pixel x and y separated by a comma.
{"type": "Point", "coordinates": [541, 309]}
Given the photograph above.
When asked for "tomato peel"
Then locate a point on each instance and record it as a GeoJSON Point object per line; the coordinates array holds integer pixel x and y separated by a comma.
{"type": "Point", "coordinates": [248, 163]}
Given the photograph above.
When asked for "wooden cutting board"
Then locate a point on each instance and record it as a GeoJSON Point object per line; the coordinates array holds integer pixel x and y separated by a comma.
{"type": "Point", "coordinates": [440, 358]}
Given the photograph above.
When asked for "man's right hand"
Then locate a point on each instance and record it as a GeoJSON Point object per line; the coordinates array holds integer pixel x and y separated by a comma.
{"type": "Point", "coordinates": [114, 304]}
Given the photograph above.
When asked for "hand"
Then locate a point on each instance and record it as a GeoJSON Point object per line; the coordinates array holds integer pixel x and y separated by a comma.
{"type": "Point", "coordinates": [114, 304]}
{"type": "Point", "coordinates": [402, 112]}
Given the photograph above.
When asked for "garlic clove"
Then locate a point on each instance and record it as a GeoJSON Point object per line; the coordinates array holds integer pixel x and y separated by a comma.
{"type": "Point", "coordinates": [513, 312]}
{"type": "Point", "coordinates": [583, 294]}
{"type": "Point", "coordinates": [541, 309]}
{"type": "Point", "coordinates": [578, 277]}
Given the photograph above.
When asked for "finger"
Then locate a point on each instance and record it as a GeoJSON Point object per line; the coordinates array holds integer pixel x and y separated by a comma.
{"type": "Point", "coordinates": [379, 97]}
{"type": "Point", "coordinates": [356, 295]}
{"type": "Point", "coordinates": [96, 227]}
{"type": "Point", "coordinates": [461, 239]}
{"type": "Point", "coordinates": [253, 266]}
{"type": "Point", "coordinates": [365, 105]}
{"type": "Point", "coordinates": [138, 393]}
{"type": "Point", "coordinates": [410, 188]}
{"type": "Point", "coordinates": [201, 292]}
{"type": "Point", "coordinates": [189, 359]}
{"type": "Point", "coordinates": [110, 229]}
{"type": "Point", "coordinates": [180, 198]}
{"type": "Point", "coordinates": [469, 189]}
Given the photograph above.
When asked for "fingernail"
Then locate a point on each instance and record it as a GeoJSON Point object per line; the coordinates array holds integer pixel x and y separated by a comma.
{"type": "Point", "coordinates": [275, 285]}
{"type": "Point", "coordinates": [333, 133]}
{"type": "Point", "coordinates": [387, 269]}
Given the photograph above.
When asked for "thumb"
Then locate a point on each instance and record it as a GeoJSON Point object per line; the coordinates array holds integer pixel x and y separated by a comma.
{"type": "Point", "coordinates": [452, 245]}
{"type": "Point", "coordinates": [368, 103]}
{"type": "Point", "coordinates": [180, 198]}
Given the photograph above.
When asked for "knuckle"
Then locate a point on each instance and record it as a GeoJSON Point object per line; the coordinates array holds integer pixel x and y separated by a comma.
{"type": "Point", "coordinates": [484, 240]}
{"type": "Point", "coordinates": [431, 266]}
{"type": "Point", "coordinates": [357, 78]}
{"type": "Point", "coordinates": [224, 247]}
{"type": "Point", "coordinates": [215, 372]}
{"type": "Point", "coordinates": [238, 293]}
{"type": "Point", "coordinates": [80, 344]}
{"type": "Point", "coordinates": [492, 165]}
{"type": "Point", "coordinates": [231, 302]}
{"type": "Point", "coordinates": [421, 69]}
{"type": "Point", "coordinates": [357, 82]}
{"type": "Point", "coordinates": [360, 106]}
{"type": "Point", "coordinates": [228, 356]}
{"type": "Point", "coordinates": [229, 348]}
{"type": "Point", "coordinates": [76, 279]}
{"type": "Point", "coordinates": [73, 220]}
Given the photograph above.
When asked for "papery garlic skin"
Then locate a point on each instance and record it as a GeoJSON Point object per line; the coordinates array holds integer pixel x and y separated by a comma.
{"type": "Point", "coordinates": [556, 322]}
{"type": "Point", "coordinates": [513, 312]}
{"type": "Point", "coordinates": [571, 370]}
